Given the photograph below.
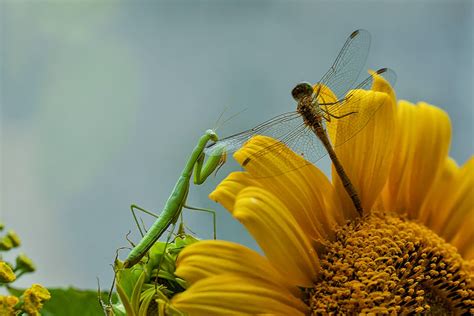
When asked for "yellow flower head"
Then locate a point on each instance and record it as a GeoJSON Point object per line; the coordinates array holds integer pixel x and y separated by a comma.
{"type": "Point", "coordinates": [6, 273]}
{"type": "Point", "coordinates": [34, 298]}
{"type": "Point", "coordinates": [7, 304]}
{"type": "Point", "coordinates": [410, 252]}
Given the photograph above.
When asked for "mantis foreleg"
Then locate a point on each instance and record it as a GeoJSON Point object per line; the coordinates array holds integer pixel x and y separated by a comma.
{"type": "Point", "coordinates": [203, 170]}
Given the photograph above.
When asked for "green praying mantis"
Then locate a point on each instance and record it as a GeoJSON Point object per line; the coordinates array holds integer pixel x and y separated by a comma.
{"type": "Point", "coordinates": [177, 199]}
{"type": "Point", "coordinates": [202, 169]}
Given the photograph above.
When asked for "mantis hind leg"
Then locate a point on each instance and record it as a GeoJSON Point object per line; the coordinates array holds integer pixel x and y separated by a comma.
{"type": "Point", "coordinates": [134, 207]}
{"type": "Point", "coordinates": [212, 212]}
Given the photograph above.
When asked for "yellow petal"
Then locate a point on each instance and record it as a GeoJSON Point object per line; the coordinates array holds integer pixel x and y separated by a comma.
{"type": "Point", "coordinates": [214, 257]}
{"type": "Point", "coordinates": [470, 256]}
{"type": "Point", "coordinates": [423, 138]}
{"type": "Point", "coordinates": [434, 211]}
{"type": "Point", "coordinates": [226, 192]}
{"type": "Point", "coordinates": [365, 157]}
{"type": "Point", "coordinates": [464, 237]}
{"type": "Point", "coordinates": [449, 206]}
{"type": "Point", "coordinates": [263, 157]}
{"type": "Point", "coordinates": [461, 205]}
{"type": "Point", "coordinates": [236, 295]}
{"type": "Point", "coordinates": [278, 234]}
{"type": "Point", "coordinates": [382, 85]}
{"type": "Point", "coordinates": [306, 191]}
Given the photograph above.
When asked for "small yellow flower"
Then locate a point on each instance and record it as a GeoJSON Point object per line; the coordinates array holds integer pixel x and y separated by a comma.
{"type": "Point", "coordinates": [34, 298]}
{"type": "Point", "coordinates": [7, 305]}
{"type": "Point", "coordinates": [6, 273]}
{"type": "Point", "coordinates": [411, 252]}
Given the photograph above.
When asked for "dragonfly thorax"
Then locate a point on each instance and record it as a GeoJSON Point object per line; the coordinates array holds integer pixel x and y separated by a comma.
{"type": "Point", "coordinates": [307, 107]}
{"type": "Point", "coordinates": [301, 90]}
{"type": "Point", "coordinates": [310, 111]}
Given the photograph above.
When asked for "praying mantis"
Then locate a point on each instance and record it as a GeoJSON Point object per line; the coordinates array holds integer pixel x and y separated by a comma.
{"type": "Point", "coordinates": [201, 169]}
{"type": "Point", "coordinates": [177, 199]}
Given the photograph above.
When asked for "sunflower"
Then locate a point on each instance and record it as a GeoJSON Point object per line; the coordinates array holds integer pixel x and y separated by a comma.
{"type": "Point", "coordinates": [412, 251]}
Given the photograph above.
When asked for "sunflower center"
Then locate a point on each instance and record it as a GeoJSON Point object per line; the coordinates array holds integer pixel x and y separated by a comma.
{"type": "Point", "coordinates": [387, 264]}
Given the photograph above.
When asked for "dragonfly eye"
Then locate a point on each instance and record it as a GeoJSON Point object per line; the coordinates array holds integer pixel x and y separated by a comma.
{"type": "Point", "coordinates": [303, 89]}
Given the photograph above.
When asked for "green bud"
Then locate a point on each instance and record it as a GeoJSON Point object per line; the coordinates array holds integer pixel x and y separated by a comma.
{"type": "Point", "coordinates": [6, 243]}
{"type": "Point", "coordinates": [25, 264]}
{"type": "Point", "coordinates": [14, 238]}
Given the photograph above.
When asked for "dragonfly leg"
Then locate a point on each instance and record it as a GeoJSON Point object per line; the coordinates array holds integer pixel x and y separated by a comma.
{"type": "Point", "coordinates": [325, 114]}
{"type": "Point", "coordinates": [341, 116]}
{"type": "Point", "coordinates": [212, 212]}
{"type": "Point", "coordinates": [325, 111]}
{"type": "Point", "coordinates": [332, 103]}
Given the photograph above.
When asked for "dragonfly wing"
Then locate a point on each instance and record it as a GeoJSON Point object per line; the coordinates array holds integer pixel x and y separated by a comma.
{"type": "Point", "coordinates": [350, 113]}
{"type": "Point", "coordinates": [308, 145]}
{"type": "Point", "coordinates": [301, 141]}
{"type": "Point", "coordinates": [343, 74]}
{"type": "Point", "coordinates": [279, 128]}
{"type": "Point", "coordinates": [388, 74]}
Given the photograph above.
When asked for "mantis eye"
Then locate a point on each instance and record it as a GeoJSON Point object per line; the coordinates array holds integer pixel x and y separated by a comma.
{"type": "Point", "coordinates": [302, 90]}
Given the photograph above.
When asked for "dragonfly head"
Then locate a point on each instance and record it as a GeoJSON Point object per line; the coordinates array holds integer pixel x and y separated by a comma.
{"type": "Point", "coordinates": [303, 89]}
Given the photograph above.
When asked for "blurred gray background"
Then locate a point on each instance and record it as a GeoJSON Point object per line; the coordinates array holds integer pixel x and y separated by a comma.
{"type": "Point", "coordinates": [103, 101]}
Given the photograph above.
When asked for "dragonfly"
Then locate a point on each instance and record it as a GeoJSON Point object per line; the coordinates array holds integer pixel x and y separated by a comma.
{"type": "Point", "coordinates": [316, 106]}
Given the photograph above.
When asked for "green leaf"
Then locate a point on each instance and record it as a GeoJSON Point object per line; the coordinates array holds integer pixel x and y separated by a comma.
{"type": "Point", "coordinates": [70, 302]}
{"type": "Point", "coordinates": [135, 298]}
{"type": "Point", "coordinates": [125, 301]}
{"type": "Point", "coordinates": [127, 278]}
